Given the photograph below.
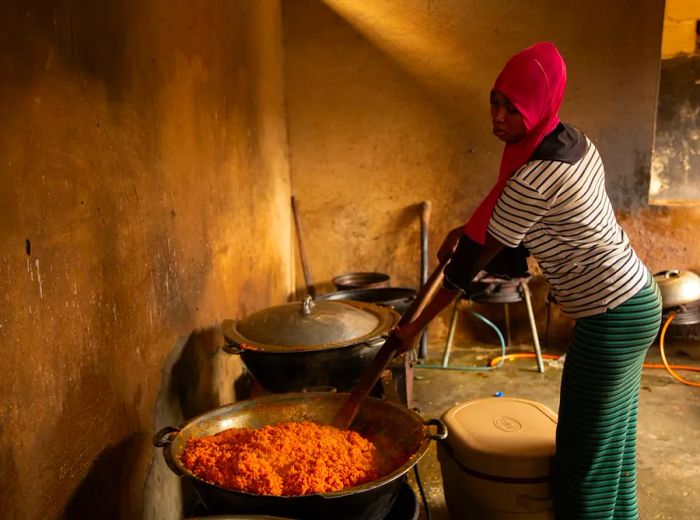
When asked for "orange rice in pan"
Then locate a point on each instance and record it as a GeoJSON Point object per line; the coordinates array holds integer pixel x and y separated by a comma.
{"type": "Point", "coordinates": [292, 458]}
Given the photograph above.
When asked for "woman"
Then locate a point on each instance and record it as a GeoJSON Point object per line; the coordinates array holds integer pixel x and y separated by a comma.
{"type": "Point", "coordinates": [550, 198]}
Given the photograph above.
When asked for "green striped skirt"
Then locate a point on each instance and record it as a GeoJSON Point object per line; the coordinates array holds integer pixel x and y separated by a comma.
{"type": "Point", "coordinates": [595, 463]}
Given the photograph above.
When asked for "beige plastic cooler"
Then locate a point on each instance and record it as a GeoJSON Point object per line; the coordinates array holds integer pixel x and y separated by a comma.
{"type": "Point", "coordinates": [497, 458]}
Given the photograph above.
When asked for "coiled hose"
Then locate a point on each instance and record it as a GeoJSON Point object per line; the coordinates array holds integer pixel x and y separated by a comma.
{"type": "Point", "coordinates": [671, 368]}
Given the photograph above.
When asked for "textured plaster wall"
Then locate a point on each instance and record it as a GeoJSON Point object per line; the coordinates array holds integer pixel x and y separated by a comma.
{"type": "Point", "coordinates": [144, 197]}
{"type": "Point", "coordinates": [388, 106]}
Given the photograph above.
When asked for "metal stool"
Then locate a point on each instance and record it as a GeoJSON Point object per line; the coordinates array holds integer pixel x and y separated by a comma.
{"type": "Point", "coordinates": [498, 290]}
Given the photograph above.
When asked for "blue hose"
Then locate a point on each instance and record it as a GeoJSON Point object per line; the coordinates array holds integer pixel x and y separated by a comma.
{"type": "Point", "coordinates": [476, 368]}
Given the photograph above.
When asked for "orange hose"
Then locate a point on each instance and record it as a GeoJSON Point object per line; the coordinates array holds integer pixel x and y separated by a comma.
{"type": "Point", "coordinates": [675, 367]}
{"type": "Point", "coordinates": [669, 368]}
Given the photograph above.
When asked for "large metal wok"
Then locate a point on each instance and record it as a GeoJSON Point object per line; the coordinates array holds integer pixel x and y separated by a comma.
{"type": "Point", "coordinates": [308, 344]}
{"type": "Point", "coordinates": [389, 426]}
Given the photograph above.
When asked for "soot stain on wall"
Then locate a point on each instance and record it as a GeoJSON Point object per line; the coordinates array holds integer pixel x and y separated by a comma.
{"type": "Point", "coordinates": [676, 159]}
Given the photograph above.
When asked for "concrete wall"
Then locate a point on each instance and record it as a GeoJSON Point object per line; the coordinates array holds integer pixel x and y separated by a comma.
{"type": "Point", "coordinates": [144, 188]}
{"type": "Point", "coordinates": [388, 106]}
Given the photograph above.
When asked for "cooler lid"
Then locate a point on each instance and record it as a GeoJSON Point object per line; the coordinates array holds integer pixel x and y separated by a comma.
{"type": "Point", "coordinates": [503, 437]}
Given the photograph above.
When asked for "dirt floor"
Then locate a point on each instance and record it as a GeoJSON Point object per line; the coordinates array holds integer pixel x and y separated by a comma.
{"type": "Point", "coordinates": [669, 420]}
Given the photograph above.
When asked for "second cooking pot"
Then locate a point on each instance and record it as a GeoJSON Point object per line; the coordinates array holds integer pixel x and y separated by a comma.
{"type": "Point", "coordinates": [360, 280]}
{"type": "Point", "coordinates": [309, 344]}
{"type": "Point", "coordinates": [398, 298]}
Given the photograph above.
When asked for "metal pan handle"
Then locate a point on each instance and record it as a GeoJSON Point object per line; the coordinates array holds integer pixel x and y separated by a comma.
{"type": "Point", "coordinates": [232, 348]}
{"type": "Point", "coordinates": [165, 436]}
{"type": "Point", "coordinates": [376, 342]}
{"type": "Point", "coordinates": [163, 439]}
{"type": "Point", "coordinates": [316, 389]}
{"type": "Point", "coordinates": [441, 431]}
{"type": "Point", "coordinates": [232, 338]}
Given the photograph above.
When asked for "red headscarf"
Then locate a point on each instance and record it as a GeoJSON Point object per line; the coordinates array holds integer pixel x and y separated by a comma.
{"type": "Point", "coordinates": [534, 81]}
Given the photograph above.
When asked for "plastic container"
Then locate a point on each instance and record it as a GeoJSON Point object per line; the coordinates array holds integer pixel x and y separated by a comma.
{"type": "Point", "coordinates": [496, 461]}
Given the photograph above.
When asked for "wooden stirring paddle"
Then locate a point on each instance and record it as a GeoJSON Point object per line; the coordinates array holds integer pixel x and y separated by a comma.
{"type": "Point", "coordinates": [346, 415]}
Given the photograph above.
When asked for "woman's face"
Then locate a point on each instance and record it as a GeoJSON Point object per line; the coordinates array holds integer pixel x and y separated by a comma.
{"type": "Point", "coordinates": [507, 122]}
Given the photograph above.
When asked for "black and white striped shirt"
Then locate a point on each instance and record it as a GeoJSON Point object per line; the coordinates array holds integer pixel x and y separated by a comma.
{"type": "Point", "coordinates": [562, 214]}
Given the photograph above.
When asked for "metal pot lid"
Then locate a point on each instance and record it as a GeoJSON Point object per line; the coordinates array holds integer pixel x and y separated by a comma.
{"type": "Point", "coordinates": [678, 287]}
{"type": "Point", "coordinates": [311, 325]}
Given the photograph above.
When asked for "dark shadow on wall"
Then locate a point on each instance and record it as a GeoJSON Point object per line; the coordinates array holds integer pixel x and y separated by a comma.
{"type": "Point", "coordinates": [191, 376]}
{"type": "Point", "coordinates": [205, 377]}
{"type": "Point", "coordinates": [95, 437]}
{"type": "Point", "coordinates": [8, 480]}
{"type": "Point", "coordinates": [89, 35]}
{"type": "Point", "coordinates": [197, 376]}
{"type": "Point", "coordinates": [100, 493]}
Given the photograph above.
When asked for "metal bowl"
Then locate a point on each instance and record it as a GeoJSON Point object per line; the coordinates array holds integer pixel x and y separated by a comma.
{"type": "Point", "coordinates": [398, 298]}
{"type": "Point", "coordinates": [678, 287]}
{"type": "Point", "coordinates": [388, 425]}
{"type": "Point", "coordinates": [360, 280]}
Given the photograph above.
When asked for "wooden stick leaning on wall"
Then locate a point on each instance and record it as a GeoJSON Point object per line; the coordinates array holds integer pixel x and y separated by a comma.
{"type": "Point", "coordinates": [310, 289]}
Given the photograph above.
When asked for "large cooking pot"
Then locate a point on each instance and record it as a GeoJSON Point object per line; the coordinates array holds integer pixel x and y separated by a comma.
{"type": "Point", "coordinates": [678, 287]}
{"type": "Point", "coordinates": [388, 425]}
{"type": "Point", "coordinates": [398, 298]}
{"type": "Point", "coordinates": [309, 344]}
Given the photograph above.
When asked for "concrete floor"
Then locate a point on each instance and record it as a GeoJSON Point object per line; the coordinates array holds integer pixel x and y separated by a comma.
{"type": "Point", "coordinates": [669, 421]}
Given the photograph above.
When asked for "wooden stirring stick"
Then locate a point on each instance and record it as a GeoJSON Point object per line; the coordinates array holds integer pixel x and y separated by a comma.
{"type": "Point", "coordinates": [346, 415]}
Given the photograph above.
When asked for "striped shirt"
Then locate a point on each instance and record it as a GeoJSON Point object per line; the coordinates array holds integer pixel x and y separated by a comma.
{"type": "Point", "coordinates": [562, 214]}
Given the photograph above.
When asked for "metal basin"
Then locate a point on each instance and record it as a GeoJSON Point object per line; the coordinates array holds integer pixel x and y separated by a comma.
{"type": "Point", "coordinates": [389, 426]}
{"type": "Point", "coordinates": [678, 287]}
{"type": "Point", "coordinates": [398, 298]}
{"type": "Point", "coordinates": [360, 280]}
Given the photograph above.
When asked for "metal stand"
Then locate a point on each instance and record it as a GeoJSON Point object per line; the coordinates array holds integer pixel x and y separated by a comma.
{"type": "Point", "coordinates": [397, 381]}
{"type": "Point", "coordinates": [492, 294]}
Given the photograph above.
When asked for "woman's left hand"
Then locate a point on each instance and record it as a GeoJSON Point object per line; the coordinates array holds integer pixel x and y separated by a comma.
{"type": "Point", "coordinates": [449, 245]}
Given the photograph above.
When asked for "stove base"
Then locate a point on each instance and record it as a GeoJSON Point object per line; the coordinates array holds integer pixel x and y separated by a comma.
{"type": "Point", "coordinates": [406, 507]}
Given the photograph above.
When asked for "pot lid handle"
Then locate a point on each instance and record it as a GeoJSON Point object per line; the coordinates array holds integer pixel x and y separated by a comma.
{"type": "Point", "coordinates": [165, 436]}
{"type": "Point", "coordinates": [440, 434]}
{"type": "Point", "coordinates": [307, 305]}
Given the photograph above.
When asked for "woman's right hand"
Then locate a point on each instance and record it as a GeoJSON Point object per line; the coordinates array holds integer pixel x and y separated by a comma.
{"type": "Point", "coordinates": [450, 244]}
{"type": "Point", "coordinates": [408, 336]}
